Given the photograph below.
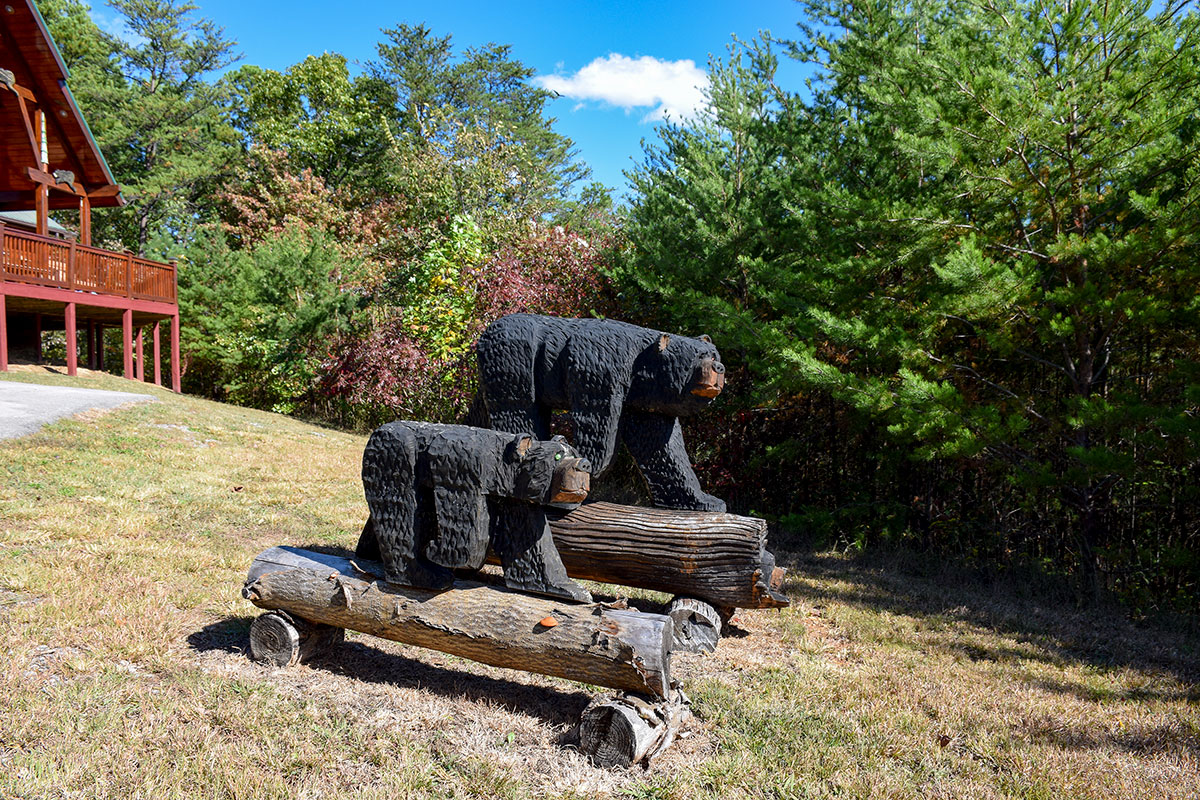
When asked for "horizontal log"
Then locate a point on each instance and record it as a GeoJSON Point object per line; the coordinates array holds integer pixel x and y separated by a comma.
{"type": "Point", "coordinates": [719, 558]}
{"type": "Point", "coordinates": [618, 648]}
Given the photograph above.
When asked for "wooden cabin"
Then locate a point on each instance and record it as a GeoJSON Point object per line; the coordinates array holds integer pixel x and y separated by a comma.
{"type": "Point", "coordinates": [50, 161]}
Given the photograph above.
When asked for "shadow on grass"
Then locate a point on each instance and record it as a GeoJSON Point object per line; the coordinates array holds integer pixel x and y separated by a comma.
{"type": "Point", "coordinates": [1036, 624]}
{"type": "Point", "coordinates": [230, 635]}
{"type": "Point", "coordinates": [363, 662]}
{"type": "Point", "coordinates": [1143, 740]}
{"type": "Point", "coordinates": [360, 661]}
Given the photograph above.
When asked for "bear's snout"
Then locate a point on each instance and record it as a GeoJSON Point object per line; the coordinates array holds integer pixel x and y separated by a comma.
{"type": "Point", "coordinates": [710, 378]}
{"type": "Point", "coordinates": [572, 481]}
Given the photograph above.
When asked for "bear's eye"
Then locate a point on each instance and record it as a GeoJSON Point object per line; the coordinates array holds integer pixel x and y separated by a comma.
{"type": "Point", "coordinates": [558, 456]}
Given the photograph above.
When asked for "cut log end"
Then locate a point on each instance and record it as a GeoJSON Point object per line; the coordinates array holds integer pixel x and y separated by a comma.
{"type": "Point", "coordinates": [697, 625]}
{"type": "Point", "coordinates": [281, 640]}
{"type": "Point", "coordinates": [627, 730]}
{"type": "Point", "coordinates": [768, 587]}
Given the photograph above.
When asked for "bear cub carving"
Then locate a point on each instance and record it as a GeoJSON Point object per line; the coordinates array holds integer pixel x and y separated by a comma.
{"type": "Point", "coordinates": [440, 495]}
{"type": "Point", "coordinates": [620, 382]}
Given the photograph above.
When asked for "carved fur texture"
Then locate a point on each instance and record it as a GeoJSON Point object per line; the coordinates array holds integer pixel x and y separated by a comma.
{"type": "Point", "coordinates": [440, 495]}
{"type": "Point", "coordinates": [620, 382]}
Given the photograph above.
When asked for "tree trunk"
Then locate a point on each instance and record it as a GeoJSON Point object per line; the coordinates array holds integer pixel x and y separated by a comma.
{"type": "Point", "coordinates": [617, 648]}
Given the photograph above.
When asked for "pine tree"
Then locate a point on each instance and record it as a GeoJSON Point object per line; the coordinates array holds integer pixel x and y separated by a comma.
{"type": "Point", "coordinates": [156, 117]}
{"type": "Point", "coordinates": [979, 232]}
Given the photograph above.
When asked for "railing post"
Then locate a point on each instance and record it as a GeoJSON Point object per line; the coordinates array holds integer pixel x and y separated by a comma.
{"type": "Point", "coordinates": [129, 273]}
{"type": "Point", "coordinates": [71, 266]}
{"type": "Point", "coordinates": [3, 259]}
{"type": "Point", "coordinates": [175, 281]}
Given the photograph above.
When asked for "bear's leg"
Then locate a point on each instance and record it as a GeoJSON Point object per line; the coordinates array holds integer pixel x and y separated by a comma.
{"type": "Point", "coordinates": [526, 418]}
{"type": "Point", "coordinates": [521, 539]}
{"type": "Point", "coordinates": [656, 443]}
{"type": "Point", "coordinates": [368, 546]}
{"type": "Point", "coordinates": [389, 482]}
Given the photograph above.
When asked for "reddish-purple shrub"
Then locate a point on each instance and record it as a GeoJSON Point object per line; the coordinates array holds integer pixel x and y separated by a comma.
{"type": "Point", "coordinates": [553, 272]}
{"type": "Point", "coordinates": [384, 373]}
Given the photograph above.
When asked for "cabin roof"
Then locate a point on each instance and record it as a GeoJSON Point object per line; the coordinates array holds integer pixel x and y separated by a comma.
{"type": "Point", "coordinates": [27, 51]}
{"type": "Point", "coordinates": [28, 219]}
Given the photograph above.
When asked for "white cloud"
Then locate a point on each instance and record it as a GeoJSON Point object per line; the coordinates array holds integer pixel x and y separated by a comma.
{"type": "Point", "coordinates": [672, 89]}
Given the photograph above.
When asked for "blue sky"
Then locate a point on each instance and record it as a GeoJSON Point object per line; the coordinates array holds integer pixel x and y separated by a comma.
{"type": "Point", "coordinates": [619, 65]}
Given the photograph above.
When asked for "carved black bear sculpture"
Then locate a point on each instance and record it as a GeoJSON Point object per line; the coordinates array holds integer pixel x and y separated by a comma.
{"type": "Point", "coordinates": [440, 494]}
{"type": "Point", "coordinates": [620, 382]}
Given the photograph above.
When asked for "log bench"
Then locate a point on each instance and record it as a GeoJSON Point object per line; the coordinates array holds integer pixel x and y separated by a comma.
{"type": "Point", "coordinates": [713, 563]}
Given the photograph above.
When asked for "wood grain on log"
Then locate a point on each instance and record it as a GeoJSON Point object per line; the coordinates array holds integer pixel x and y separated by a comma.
{"type": "Point", "coordinates": [719, 558]}
{"type": "Point", "coordinates": [618, 648]}
{"type": "Point", "coordinates": [622, 731]}
{"type": "Point", "coordinates": [697, 625]}
{"type": "Point", "coordinates": [282, 640]}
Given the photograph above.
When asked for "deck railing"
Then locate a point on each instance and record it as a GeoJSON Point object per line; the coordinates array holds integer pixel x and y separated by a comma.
{"type": "Point", "coordinates": [64, 264]}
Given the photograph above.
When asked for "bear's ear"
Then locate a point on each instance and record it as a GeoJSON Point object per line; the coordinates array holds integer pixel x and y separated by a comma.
{"type": "Point", "coordinates": [664, 339]}
{"type": "Point", "coordinates": [520, 445]}
{"type": "Point", "coordinates": [704, 337]}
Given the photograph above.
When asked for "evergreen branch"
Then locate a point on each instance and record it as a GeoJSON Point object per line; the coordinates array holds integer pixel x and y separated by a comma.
{"type": "Point", "coordinates": [1018, 250]}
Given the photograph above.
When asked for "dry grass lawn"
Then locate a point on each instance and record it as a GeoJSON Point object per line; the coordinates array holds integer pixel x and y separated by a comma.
{"type": "Point", "coordinates": [125, 536]}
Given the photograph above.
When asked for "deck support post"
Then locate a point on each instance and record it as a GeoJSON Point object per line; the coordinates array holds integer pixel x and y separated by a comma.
{"type": "Point", "coordinates": [141, 358]}
{"type": "Point", "coordinates": [91, 344]}
{"type": "Point", "coordinates": [157, 357]}
{"type": "Point", "coordinates": [37, 338]}
{"type": "Point", "coordinates": [175, 383]}
{"type": "Point", "coordinates": [72, 341]}
{"type": "Point", "coordinates": [127, 342]}
{"type": "Point", "coordinates": [3, 333]}
{"type": "Point", "coordinates": [99, 347]}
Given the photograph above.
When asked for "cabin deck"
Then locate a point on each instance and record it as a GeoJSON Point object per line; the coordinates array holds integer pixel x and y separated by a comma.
{"type": "Point", "coordinates": [48, 283]}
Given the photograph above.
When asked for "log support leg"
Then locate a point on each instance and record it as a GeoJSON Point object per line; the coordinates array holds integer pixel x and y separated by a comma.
{"type": "Point", "coordinates": [37, 338]}
{"type": "Point", "coordinates": [627, 730]}
{"type": "Point", "coordinates": [283, 640]}
{"type": "Point", "coordinates": [697, 625]}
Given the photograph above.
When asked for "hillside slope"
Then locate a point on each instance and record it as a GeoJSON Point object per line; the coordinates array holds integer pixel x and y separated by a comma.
{"type": "Point", "coordinates": [125, 536]}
